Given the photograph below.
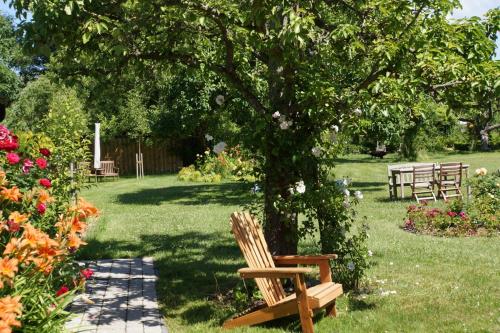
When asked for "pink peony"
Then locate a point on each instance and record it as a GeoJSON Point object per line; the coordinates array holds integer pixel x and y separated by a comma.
{"type": "Point", "coordinates": [87, 273]}
{"type": "Point", "coordinates": [45, 152]}
{"type": "Point", "coordinates": [45, 182]}
{"type": "Point", "coordinates": [4, 132]}
{"type": "Point", "coordinates": [13, 158]}
{"type": "Point", "coordinates": [63, 290]}
{"type": "Point", "coordinates": [41, 162]}
{"type": "Point", "coordinates": [27, 165]}
{"type": "Point", "coordinates": [41, 208]}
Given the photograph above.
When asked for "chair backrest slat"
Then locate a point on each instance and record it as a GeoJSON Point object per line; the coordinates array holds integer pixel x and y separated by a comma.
{"type": "Point", "coordinates": [451, 171]}
{"type": "Point", "coordinates": [108, 166]}
{"type": "Point", "coordinates": [423, 173]}
{"type": "Point", "coordinates": [253, 245]}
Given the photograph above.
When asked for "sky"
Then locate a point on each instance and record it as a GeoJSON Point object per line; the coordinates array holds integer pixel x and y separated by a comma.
{"type": "Point", "coordinates": [469, 8]}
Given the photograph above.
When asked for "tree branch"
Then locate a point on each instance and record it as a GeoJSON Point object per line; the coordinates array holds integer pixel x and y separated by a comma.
{"type": "Point", "coordinates": [374, 73]}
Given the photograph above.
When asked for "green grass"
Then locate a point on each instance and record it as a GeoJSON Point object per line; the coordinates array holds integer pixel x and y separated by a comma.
{"type": "Point", "coordinates": [441, 284]}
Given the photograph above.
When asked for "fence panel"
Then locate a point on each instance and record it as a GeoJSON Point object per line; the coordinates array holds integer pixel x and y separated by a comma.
{"type": "Point", "coordinates": [159, 157]}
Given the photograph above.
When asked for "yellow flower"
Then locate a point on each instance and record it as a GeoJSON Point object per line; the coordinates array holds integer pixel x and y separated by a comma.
{"type": "Point", "coordinates": [481, 172]}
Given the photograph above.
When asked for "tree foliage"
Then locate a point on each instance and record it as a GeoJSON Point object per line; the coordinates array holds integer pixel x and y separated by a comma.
{"type": "Point", "coordinates": [296, 71]}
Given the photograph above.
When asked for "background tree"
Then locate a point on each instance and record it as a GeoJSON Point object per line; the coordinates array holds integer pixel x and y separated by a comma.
{"type": "Point", "coordinates": [301, 68]}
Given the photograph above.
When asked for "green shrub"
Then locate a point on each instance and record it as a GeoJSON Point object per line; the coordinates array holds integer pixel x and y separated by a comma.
{"type": "Point", "coordinates": [211, 167]}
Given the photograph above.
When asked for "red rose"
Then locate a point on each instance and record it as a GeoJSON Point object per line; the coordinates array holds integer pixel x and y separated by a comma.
{"type": "Point", "coordinates": [452, 214]}
{"type": "Point", "coordinates": [45, 182]}
{"type": "Point", "coordinates": [87, 273]}
{"type": "Point", "coordinates": [44, 152]}
{"type": "Point", "coordinates": [41, 162]}
{"type": "Point", "coordinates": [41, 208]}
{"type": "Point", "coordinates": [63, 290]}
{"type": "Point", "coordinates": [13, 158]}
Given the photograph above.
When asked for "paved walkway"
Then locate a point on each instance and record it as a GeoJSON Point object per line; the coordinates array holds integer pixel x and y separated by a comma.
{"type": "Point", "coordinates": [124, 296]}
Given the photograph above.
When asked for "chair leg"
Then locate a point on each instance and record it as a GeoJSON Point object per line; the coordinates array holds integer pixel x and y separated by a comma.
{"type": "Point", "coordinates": [305, 312]}
{"type": "Point", "coordinates": [331, 310]}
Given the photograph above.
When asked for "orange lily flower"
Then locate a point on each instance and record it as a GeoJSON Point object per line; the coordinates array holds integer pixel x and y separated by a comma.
{"type": "Point", "coordinates": [74, 241]}
{"type": "Point", "coordinates": [3, 178]}
{"type": "Point", "coordinates": [8, 267]}
{"type": "Point", "coordinates": [18, 217]}
{"type": "Point", "coordinates": [44, 196]}
{"type": "Point", "coordinates": [31, 236]}
{"type": "Point", "coordinates": [11, 304]}
{"type": "Point", "coordinates": [12, 246]}
{"type": "Point", "coordinates": [12, 194]}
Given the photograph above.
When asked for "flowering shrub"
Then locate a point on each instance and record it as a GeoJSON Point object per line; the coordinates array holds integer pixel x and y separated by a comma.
{"type": "Point", "coordinates": [213, 167]}
{"type": "Point", "coordinates": [480, 216]}
{"type": "Point", "coordinates": [40, 231]}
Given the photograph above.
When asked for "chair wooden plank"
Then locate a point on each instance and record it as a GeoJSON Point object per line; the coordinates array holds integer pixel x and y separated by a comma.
{"type": "Point", "coordinates": [258, 235]}
{"type": "Point", "coordinates": [264, 284]}
{"type": "Point", "coordinates": [241, 237]}
{"type": "Point", "coordinates": [275, 287]}
{"type": "Point", "coordinates": [254, 259]}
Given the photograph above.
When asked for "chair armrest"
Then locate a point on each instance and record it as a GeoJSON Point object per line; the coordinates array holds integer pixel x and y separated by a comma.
{"type": "Point", "coordinates": [303, 260]}
{"type": "Point", "coordinates": [282, 272]}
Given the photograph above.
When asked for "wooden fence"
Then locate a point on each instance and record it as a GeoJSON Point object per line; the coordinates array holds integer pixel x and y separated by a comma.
{"type": "Point", "coordinates": [158, 157]}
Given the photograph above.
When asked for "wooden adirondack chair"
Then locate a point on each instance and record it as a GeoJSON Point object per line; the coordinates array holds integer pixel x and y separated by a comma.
{"type": "Point", "coordinates": [305, 301]}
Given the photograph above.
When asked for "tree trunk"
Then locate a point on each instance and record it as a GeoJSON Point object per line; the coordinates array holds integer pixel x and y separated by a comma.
{"type": "Point", "coordinates": [485, 140]}
{"type": "Point", "coordinates": [409, 149]}
{"type": "Point", "coordinates": [281, 227]}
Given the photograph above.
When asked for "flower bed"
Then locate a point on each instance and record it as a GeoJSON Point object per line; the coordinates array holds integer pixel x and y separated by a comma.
{"type": "Point", "coordinates": [213, 167]}
{"type": "Point", "coordinates": [40, 232]}
{"type": "Point", "coordinates": [478, 217]}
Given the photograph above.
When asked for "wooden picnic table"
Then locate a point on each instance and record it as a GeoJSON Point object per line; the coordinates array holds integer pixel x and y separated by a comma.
{"type": "Point", "coordinates": [406, 172]}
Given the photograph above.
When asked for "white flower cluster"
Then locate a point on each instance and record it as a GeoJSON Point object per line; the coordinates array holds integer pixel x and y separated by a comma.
{"type": "Point", "coordinates": [219, 99]}
{"type": "Point", "coordinates": [208, 137]}
{"type": "Point", "coordinates": [283, 121]}
{"type": "Point", "coordinates": [351, 266]}
{"type": "Point", "coordinates": [299, 187]}
{"type": "Point", "coordinates": [343, 184]}
{"type": "Point", "coordinates": [219, 148]}
{"type": "Point", "coordinates": [316, 151]}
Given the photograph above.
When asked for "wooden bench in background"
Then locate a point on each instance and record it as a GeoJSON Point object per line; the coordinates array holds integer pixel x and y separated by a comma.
{"type": "Point", "coordinates": [108, 169]}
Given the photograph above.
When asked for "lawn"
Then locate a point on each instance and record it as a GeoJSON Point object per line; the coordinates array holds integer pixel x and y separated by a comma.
{"type": "Point", "coordinates": [436, 284]}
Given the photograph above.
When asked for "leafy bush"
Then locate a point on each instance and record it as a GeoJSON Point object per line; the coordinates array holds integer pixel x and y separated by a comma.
{"type": "Point", "coordinates": [40, 231]}
{"type": "Point", "coordinates": [212, 167]}
{"type": "Point", "coordinates": [480, 216]}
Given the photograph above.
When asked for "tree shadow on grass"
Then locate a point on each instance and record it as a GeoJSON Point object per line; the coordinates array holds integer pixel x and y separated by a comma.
{"type": "Point", "coordinates": [356, 304]}
{"type": "Point", "coordinates": [225, 194]}
{"type": "Point", "coordinates": [369, 186]}
{"type": "Point", "coordinates": [192, 267]}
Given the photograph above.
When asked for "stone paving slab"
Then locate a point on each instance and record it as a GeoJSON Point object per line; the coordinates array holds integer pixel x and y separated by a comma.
{"type": "Point", "coordinates": [124, 299]}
